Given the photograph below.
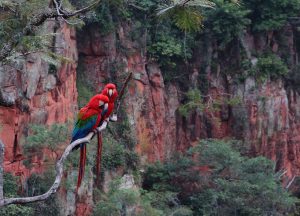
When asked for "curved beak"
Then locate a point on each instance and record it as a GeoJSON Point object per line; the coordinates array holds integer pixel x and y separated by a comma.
{"type": "Point", "coordinates": [110, 92]}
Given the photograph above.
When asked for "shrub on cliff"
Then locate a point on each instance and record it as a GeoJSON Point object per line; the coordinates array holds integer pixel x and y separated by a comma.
{"type": "Point", "coordinates": [269, 66]}
{"type": "Point", "coordinates": [214, 179]}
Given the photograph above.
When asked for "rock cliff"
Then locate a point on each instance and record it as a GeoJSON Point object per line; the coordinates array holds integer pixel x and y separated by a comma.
{"type": "Point", "coordinates": [267, 118]}
{"type": "Point", "coordinates": [34, 93]}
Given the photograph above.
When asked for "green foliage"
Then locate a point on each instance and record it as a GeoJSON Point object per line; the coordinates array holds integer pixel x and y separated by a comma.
{"type": "Point", "coordinates": [15, 16]}
{"type": "Point", "coordinates": [131, 201]}
{"type": "Point", "coordinates": [10, 188]}
{"type": "Point", "coordinates": [246, 186]}
{"type": "Point", "coordinates": [269, 66]}
{"type": "Point", "coordinates": [271, 14]}
{"type": "Point", "coordinates": [227, 21]}
{"type": "Point", "coordinates": [13, 210]}
{"type": "Point", "coordinates": [188, 19]}
{"type": "Point", "coordinates": [113, 155]}
{"type": "Point", "coordinates": [195, 100]}
{"type": "Point", "coordinates": [227, 183]}
{"type": "Point", "coordinates": [42, 136]}
{"type": "Point", "coordinates": [108, 15]}
{"type": "Point", "coordinates": [166, 46]}
{"type": "Point", "coordinates": [117, 200]}
{"type": "Point", "coordinates": [166, 50]}
{"type": "Point", "coordinates": [39, 184]}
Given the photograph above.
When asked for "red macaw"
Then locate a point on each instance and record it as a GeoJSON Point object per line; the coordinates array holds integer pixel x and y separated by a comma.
{"type": "Point", "coordinates": [88, 119]}
{"type": "Point", "coordinates": [111, 92]}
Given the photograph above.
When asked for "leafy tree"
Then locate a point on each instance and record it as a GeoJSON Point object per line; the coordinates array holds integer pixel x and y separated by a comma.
{"type": "Point", "coordinates": [227, 21]}
{"type": "Point", "coordinates": [271, 14]}
{"type": "Point", "coordinates": [214, 179]}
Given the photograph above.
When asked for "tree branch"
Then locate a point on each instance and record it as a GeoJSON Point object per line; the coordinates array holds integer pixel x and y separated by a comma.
{"type": "Point", "coordinates": [58, 168]}
{"type": "Point", "coordinates": [38, 20]}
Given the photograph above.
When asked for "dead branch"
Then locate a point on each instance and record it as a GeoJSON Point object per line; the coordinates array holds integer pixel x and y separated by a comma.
{"type": "Point", "coordinates": [290, 183]}
{"type": "Point", "coordinates": [58, 168]}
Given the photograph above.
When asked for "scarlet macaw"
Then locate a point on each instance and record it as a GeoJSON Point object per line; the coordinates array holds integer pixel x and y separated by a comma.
{"type": "Point", "coordinates": [111, 92]}
{"type": "Point", "coordinates": [88, 119]}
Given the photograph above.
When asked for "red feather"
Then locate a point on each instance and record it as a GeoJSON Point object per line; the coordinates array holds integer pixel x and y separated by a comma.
{"type": "Point", "coordinates": [111, 105]}
{"type": "Point", "coordinates": [84, 126]}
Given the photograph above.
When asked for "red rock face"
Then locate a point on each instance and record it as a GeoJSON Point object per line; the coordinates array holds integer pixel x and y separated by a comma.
{"type": "Point", "coordinates": [267, 119]}
{"type": "Point", "coordinates": [36, 96]}
{"type": "Point", "coordinates": [150, 105]}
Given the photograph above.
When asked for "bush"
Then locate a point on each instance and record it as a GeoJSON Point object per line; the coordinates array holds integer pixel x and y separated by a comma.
{"type": "Point", "coordinates": [269, 66]}
{"type": "Point", "coordinates": [214, 179]}
{"type": "Point", "coordinates": [10, 188]}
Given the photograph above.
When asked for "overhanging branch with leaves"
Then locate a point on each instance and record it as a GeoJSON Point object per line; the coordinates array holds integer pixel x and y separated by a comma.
{"type": "Point", "coordinates": [37, 20]}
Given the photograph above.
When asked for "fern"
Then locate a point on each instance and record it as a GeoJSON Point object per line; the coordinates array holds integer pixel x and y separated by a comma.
{"type": "Point", "coordinates": [164, 8]}
{"type": "Point", "coordinates": [188, 19]}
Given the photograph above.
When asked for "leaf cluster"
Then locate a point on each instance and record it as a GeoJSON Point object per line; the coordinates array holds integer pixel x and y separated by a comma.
{"type": "Point", "coordinates": [269, 66]}
{"type": "Point", "coordinates": [10, 188]}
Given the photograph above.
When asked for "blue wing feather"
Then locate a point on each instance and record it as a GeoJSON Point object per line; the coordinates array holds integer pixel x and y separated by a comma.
{"type": "Point", "coordinates": [82, 128]}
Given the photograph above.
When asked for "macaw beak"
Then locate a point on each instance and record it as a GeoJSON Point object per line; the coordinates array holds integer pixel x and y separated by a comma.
{"type": "Point", "coordinates": [110, 92]}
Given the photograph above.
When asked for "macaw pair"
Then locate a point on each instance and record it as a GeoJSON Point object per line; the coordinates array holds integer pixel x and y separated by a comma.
{"type": "Point", "coordinates": [91, 116]}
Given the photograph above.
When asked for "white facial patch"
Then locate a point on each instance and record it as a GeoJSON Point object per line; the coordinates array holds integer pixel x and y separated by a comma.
{"type": "Point", "coordinates": [101, 103]}
{"type": "Point", "coordinates": [106, 106]}
{"type": "Point", "coordinates": [110, 92]}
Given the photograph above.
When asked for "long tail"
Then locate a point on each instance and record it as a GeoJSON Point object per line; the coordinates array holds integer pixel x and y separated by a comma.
{"type": "Point", "coordinates": [98, 158]}
{"type": "Point", "coordinates": [81, 164]}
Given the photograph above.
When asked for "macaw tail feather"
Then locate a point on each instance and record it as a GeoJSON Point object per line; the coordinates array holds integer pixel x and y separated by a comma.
{"type": "Point", "coordinates": [98, 158]}
{"type": "Point", "coordinates": [81, 164]}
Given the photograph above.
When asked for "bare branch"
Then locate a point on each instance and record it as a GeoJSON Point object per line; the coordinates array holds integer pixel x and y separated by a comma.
{"type": "Point", "coordinates": [290, 183]}
{"type": "Point", "coordinates": [59, 172]}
